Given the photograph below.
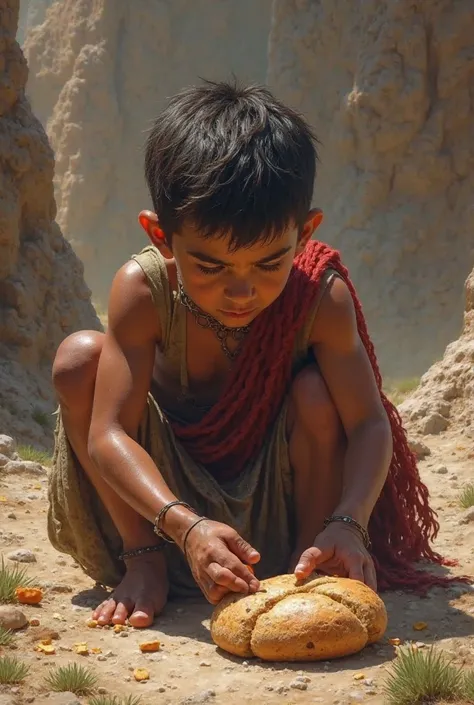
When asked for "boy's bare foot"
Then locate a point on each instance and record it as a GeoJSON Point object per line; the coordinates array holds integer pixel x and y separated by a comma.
{"type": "Point", "coordinates": [141, 595]}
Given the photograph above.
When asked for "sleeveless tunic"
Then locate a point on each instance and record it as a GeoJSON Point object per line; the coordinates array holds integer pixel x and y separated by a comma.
{"type": "Point", "coordinates": [258, 504]}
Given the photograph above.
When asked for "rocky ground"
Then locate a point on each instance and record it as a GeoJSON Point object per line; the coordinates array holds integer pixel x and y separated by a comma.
{"type": "Point", "coordinates": [188, 668]}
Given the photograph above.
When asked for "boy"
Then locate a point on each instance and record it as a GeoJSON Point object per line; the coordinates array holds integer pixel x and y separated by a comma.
{"type": "Point", "coordinates": [231, 415]}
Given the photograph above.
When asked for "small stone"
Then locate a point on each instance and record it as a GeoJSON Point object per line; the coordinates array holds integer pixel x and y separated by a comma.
{"type": "Point", "coordinates": [419, 448]}
{"type": "Point", "coordinates": [282, 689]}
{"type": "Point", "coordinates": [357, 695]}
{"type": "Point", "coordinates": [12, 617]}
{"type": "Point", "coordinates": [298, 685]}
{"type": "Point", "coordinates": [63, 699]}
{"type": "Point", "coordinates": [101, 658]}
{"type": "Point", "coordinates": [101, 690]}
{"type": "Point", "coordinates": [11, 516]}
{"type": "Point", "coordinates": [434, 424]}
{"type": "Point", "coordinates": [22, 555]}
{"type": "Point", "coordinates": [205, 664]}
{"type": "Point", "coordinates": [245, 664]}
{"type": "Point", "coordinates": [467, 516]}
{"type": "Point", "coordinates": [441, 470]}
{"type": "Point", "coordinates": [7, 445]}
{"type": "Point", "coordinates": [22, 467]}
{"type": "Point", "coordinates": [123, 633]}
{"type": "Point", "coordinates": [34, 622]}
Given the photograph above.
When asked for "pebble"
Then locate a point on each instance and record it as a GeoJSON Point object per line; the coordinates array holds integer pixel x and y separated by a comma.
{"type": "Point", "coordinates": [12, 617]}
{"type": "Point", "coordinates": [63, 699]}
{"type": "Point", "coordinates": [467, 516]}
{"type": "Point", "coordinates": [22, 555]}
{"type": "Point", "coordinates": [205, 664]}
{"type": "Point", "coordinates": [7, 445]}
{"type": "Point", "coordinates": [123, 633]}
{"type": "Point", "coordinates": [11, 516]}
{"type": "Point", "coordinates": [101, 690]}
{"type": "Point", "coordinates": [20, 467]}
{"type": "Point", "coordinates": [298, 685]}
{"type": "Point", "coordinates": [357, 695]}
{"type": "Point", "coordinates": [441, 470]}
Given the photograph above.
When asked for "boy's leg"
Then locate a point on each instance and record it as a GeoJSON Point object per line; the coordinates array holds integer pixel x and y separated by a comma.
{"type": "Point", "coordinates": [143, 591]}
{"type": "Point", "coordinates": [317, 446]}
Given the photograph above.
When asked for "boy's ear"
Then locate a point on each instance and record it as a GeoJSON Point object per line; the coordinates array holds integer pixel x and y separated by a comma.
{"type": "Point", "coordinates": [149, 222]}
{"type": "Point", "coordinates": [313, 221]}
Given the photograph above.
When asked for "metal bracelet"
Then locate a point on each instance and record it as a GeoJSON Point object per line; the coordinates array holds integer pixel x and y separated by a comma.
{"type": "Point", "coordinates": [351, 522]}
{"type": "Point", "coordinates": [161, 515]}
{"type": "Point", "coordinates": [134, 552]}
{"type": "Point", "coordinates": [198, 521]}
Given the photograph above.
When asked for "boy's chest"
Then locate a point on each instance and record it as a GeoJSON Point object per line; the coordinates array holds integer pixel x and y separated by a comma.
{"type": "Point", "coordinates": [201, 363]}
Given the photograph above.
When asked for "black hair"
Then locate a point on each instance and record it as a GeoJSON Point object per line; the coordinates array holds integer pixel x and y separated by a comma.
{"type": "Point", "coordinates": [232, 161]}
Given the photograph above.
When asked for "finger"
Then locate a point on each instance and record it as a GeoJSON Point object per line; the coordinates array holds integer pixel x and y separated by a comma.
{"type": "Point", "coordinates": [223, 576]}
{"type": "Point", "coordinates": [355, 569]}
{"type": "Point", "coordinates": [245, 572]}
{"type": "Point", "coordinates": [370, 576]}
{"type": "Point", "coordinates": [214, 593]}
{"type": "Point", "coordinates": [242, 549]}
{"type": "Point", "coordinates": [310, 558]}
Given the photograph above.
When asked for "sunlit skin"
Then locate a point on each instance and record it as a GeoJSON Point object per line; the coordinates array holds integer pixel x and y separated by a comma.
{"type": "Point", "coordinates": [336, 421]}
{"type": "Point", "coordinates": [232, 286]}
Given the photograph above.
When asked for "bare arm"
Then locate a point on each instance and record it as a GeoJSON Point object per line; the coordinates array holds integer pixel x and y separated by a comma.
{"type": "Point", "coordinates": [123, 381]}
{"type": "Point", "coordinates": [346, 368]}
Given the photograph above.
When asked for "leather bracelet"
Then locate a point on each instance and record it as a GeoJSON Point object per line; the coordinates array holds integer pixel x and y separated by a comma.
{"type": "Point", "coordinates": [198, 521]}
{"type": "Point", "coordinates": [134, 552]}
{"type": "Point", "coordinates": [161, 515]}
{"type": "Point", "coordinates": [351, 522]}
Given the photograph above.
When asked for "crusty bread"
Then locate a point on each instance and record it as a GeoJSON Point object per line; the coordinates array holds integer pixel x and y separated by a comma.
{"type": "Point", "coordinates": [288, 620]}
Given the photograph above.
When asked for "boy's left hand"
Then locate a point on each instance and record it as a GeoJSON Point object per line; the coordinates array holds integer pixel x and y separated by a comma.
{"type": "Point", "coordinates": [338, 550]}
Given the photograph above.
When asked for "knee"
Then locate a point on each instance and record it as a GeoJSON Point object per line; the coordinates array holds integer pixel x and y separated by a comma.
{"type": "Point", "coordinates": [311, 403]}
{"type": "Point", "coordinates": [75, 364]}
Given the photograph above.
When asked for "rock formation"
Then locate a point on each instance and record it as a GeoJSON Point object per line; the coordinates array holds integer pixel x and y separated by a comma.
{"type": "Point", "coordinates": [100, 70]}
{"type": "Point", "coordinates": [389, 89]}
{"type": "Point", "coordinates": [445, 397]}
{"type": "Point", "coordinates": [43, 296]}
{"type": "Point", "coordinates": [32, 13]}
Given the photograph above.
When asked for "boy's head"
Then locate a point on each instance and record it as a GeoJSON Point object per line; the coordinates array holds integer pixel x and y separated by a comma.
{"type": "Point", "coordinates": [230, 172]}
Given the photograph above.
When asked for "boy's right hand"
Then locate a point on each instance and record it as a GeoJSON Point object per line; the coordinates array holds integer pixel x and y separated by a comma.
{"type": "Point", "coordinates": [217, 556]}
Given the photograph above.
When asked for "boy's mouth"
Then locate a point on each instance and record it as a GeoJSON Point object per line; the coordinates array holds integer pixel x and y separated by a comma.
{"type": "Point", "coordinates": [238, 314]}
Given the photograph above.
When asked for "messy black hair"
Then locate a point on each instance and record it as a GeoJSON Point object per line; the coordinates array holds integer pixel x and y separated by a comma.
{"type": "Point", "coordinates": [233, 161]}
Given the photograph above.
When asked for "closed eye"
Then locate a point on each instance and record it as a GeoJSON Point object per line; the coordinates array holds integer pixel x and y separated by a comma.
{"type": "Point", "coordinates": [210, 270]}
{"type": "Point", "coordinates": [270, 267]}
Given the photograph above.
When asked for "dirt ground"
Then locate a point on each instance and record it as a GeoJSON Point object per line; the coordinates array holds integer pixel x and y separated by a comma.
{"type": "Point", "coordinates": [189, 668]}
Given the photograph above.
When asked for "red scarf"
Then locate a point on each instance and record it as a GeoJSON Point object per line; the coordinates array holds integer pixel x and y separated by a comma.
{"type": "Point", "coordinates": [233, 431]}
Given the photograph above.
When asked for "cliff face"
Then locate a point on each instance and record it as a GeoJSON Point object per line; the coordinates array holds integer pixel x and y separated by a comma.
{"type": "Point", "coordinates": [32, 13]}
{"type": "Point", "coordinates": [389, 89]}
{"type": "Point", "coordinates": [43, 296]}
{"type": "Point", "coordinates": [445, 397]}
{"type": "Point", "coordinates": [100, 72]}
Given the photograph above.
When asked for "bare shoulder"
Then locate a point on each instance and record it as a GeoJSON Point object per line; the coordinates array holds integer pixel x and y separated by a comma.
{"type": "Point", "coordinates": [131, 312]}
{"type": "Point", "coordinates": [335, 323]}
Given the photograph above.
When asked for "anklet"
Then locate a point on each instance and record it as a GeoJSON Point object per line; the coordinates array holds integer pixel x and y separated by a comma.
{"type": "Point", "coordinates": [161, 515]}
{"type": "Point", "coordinates": [352, 522]}
{"type": "Point", "coordinates": [141, 551]}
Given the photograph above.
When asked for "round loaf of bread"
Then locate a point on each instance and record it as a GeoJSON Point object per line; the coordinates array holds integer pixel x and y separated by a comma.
{"type": "Point", "coordinates": [307, 620]}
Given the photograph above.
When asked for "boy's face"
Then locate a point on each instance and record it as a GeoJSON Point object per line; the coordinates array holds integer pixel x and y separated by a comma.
{"type": "Point", "coordinates": [232, 286]}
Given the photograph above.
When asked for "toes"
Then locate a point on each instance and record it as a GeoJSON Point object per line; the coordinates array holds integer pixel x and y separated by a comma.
{"type": "Point", "coordinates": [123, 609]}
{"type": "Point", "coordinates": [142, 615]}
{"type": "Point", "coordinates": [103, 614]}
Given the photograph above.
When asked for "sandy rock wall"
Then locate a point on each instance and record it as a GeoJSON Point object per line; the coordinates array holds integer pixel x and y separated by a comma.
{"type": "Point", "coordinates": [389, 87]}
{"type": "Point", "coordinates": [43, 296]}
{"type": "Point", "coordinates": [100, 72]}
{"type": "Point", "coordinates": [32, 13]}
{"type": "Point", "coordinates": [445, 398]}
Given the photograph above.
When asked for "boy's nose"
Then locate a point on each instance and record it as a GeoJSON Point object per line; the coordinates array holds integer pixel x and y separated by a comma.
{"type": "Point", "coordinates": [240, 290]}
